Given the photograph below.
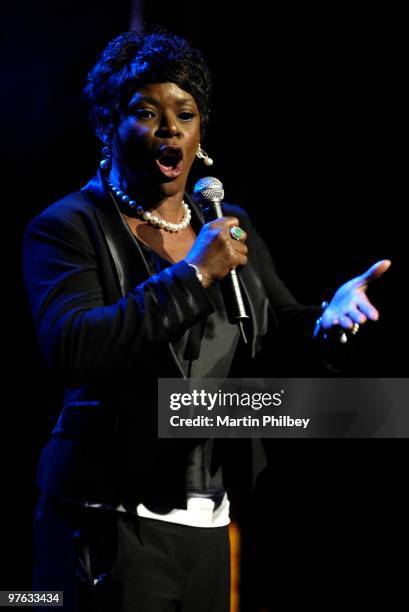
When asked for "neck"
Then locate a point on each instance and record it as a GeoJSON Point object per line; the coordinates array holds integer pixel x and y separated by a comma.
{"type": "Point", "coordinates": [168, 207]}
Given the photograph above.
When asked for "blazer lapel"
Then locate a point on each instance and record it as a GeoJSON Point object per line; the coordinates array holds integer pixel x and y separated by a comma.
{"type": "Point", "coordinates": [257, 306]}
{"type": "Point", "coordinates": [127, 256]}
{"type": "Point", "coordinates": [129, 261]}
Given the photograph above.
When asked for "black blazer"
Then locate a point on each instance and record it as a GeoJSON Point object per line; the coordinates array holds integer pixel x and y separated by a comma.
{"type": "Point", "coordinates": [105, 327]}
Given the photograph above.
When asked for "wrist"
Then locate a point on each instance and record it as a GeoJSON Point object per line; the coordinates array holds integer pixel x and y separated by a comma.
{"type": "Point", "coordinates": [199, 275]}
{"type": "Point", "coordinates": [334, 332]}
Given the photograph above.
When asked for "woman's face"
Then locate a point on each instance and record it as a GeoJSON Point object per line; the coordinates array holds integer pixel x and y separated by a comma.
{"type": "Point", "coordinates": [157, 138]}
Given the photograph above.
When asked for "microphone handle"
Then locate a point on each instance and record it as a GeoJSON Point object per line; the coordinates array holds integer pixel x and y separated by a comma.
{"type": "Point", "coordinates": [235, 307]}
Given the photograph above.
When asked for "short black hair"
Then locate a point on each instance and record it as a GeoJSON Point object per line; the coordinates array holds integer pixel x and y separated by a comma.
{"type": "Point", "coordinates": [134, 59]}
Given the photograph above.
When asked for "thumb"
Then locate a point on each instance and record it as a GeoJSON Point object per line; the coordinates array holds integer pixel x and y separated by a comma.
{"type": "Point", "coordinates": [374, 272]}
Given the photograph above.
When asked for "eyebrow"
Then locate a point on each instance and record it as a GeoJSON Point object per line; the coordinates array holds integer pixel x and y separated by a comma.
{"type": "Point", "coordinates": [139, 98]}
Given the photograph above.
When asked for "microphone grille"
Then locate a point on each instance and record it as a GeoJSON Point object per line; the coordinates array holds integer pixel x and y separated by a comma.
{"type": "Point", "coordinates": [208, 189]}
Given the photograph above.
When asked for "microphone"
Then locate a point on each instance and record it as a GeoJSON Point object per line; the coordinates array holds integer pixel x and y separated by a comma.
{"type": "Point", "coordinates": [209, 193]}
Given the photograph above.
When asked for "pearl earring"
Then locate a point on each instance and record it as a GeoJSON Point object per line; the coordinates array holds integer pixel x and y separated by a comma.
{"type": "Point", "coordinates": [200, 154]}
{"type": "Point", "coordinates": [105, 163]}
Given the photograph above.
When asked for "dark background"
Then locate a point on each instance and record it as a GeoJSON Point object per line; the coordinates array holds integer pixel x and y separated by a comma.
{"type": "Point", "coordinates": [307, 134]}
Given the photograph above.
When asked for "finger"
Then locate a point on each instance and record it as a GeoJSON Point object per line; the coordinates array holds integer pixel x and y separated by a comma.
{"type": "Point", "coordinates": [242, 259]}
{"type": "Point", "coordinates": [329, 320]}
{"type": "Point", "coordinates": [234, 251]}
{"type": "Point", "coordinates": [374, 272]}
{"type": "Point", "coordinates": [243, 235]}
{"type": "Point", "coordinates": [368, 309]}
{"type": "Point", "coordinates": [240, 247]}
{"type": "Point", "coordinates": [346, 322]}
{"type": "Point", "coordinates": [230, 221]}
{"type": "Point", "coordinates": [234, 243]}
{"type": "Point", "coordinates": [224, 222]}
{"type": "Point", "coordinates": [357, 317]}
{"type": "Point", "coordinates": [238, 261]}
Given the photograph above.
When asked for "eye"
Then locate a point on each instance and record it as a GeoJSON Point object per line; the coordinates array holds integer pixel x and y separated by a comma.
{"type": "Point", "coordinates": [144, 113]}
{"type": "Point", "coordinates": [186, 115]}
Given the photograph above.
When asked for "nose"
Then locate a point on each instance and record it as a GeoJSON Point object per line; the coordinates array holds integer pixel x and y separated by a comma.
{"type": "Point", "coordinates": [169, 126]}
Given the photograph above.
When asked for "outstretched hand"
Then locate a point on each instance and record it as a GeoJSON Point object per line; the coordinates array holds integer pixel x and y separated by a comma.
{"type": "Point", "coordinates": [350, 304]}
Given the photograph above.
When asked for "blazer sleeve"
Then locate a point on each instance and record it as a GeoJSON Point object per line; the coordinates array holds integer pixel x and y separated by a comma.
{"type": "Point", "coordinates": [81, 337]}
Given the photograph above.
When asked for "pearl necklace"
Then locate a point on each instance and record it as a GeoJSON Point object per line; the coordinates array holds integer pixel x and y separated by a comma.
{"type": "Point", "coordinates": [149, 217]}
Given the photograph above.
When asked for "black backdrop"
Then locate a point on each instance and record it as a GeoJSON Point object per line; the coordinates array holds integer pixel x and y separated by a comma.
{"type": "Point", "coordinates": [307, 135]}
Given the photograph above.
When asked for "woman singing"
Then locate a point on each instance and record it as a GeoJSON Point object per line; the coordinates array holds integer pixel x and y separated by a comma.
{"type": "Point", "coordinates": [123, 278]}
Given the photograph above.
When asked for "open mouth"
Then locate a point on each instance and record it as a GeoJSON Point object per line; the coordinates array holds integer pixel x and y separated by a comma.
{"type": "Point", "coordinates": [170, 160]}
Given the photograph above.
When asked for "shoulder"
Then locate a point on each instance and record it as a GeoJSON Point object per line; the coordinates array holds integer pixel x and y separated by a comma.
{"type": "Point", "coordinates": [72, 212]}
{"type": "Point", "coordinates": [69, 226]}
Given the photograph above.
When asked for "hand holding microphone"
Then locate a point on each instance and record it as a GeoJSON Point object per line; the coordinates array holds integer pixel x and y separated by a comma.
{"type": "Point", "coordinates": [219, 248]}
{"type": "Point", "coordinates": [215, 253]}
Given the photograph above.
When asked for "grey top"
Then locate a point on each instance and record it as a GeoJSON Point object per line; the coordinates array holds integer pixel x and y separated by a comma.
{"type": "Point", "coordinates": [207, 349]}
{"type": "Point", "coordinates": [204, 351]}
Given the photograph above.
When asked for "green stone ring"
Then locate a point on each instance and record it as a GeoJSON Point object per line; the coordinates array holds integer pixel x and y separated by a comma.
{"type": "Point", "coordinates": [236, 232]}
